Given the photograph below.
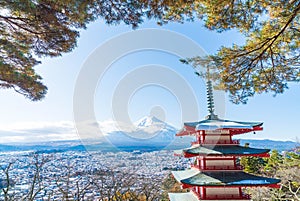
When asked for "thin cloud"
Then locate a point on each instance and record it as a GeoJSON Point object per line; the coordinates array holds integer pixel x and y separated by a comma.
{"type": "Point", "coordinates": [37, 132]}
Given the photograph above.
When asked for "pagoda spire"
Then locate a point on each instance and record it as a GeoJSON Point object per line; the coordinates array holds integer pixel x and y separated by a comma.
{"type": "Point", "coordinates": [210, 98]}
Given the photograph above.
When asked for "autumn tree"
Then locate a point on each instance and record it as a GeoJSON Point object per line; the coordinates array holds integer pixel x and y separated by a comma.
{"type": "Point", "coordinates": [6, 182]}
{"type": "Point", "coordinates": [114, 185]}
{"type": "Point", "coordinates": [267, 61]}
{"type": "Point", "coordinates": [270, 57]}
{"type": "Point", "coordinates": [36, 183]}
{"type": "Point", "coordinates": [71, 185]}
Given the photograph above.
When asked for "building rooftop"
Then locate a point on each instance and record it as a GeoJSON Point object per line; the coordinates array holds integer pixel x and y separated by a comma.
{"type": "Point", "coordinates": [212, 124]}
{"type": "Point", "coordinates": [228, 179]}
{"type": "Point", "coordinates": [184, 174]}
{"type": "Point", "coordinates": [226, 150]}
{"type": "Point", "coordinates": [235, 127]}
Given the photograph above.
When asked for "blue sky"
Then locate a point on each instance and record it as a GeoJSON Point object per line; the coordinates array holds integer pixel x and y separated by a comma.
{"type": "Point", "coordinates": [52, 118]}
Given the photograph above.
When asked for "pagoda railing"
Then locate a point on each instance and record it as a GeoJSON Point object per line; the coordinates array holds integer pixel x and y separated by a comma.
{"type": "Point", "coordinates": [244, 196]}
{"type": "Point", "coordinates": [217, 167]}
{"type": "Point", "coordinates": [221, 142]}
{"type": "Point", "coordinates": [227, 197]}
{"type": "Point", "coordinates": [235, 142]}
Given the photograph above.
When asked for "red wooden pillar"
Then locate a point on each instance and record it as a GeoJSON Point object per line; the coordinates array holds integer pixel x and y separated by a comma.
{"type": "Point", "coordinates": [199, 137]}
{"type": "Point", "coordinates": [201, 162]}
{"type": "Point", "coordinates": [234, 161]}
{"type": "Point", "coordinates": [240, 192]}
{"type": "Point", "coordinates": [204, 193]}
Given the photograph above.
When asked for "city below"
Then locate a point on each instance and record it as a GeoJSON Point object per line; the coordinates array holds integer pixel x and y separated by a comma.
{"type": "Point", "coordinates": [56, 170]}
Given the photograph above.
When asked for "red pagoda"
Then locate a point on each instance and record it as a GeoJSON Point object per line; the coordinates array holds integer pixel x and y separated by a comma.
{"type": "Point", "coordinates": [216, 174]}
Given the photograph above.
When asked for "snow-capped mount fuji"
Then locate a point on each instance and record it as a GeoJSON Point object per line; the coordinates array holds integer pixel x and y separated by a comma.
{"type": "Point", "coordinates": [149, 130]}
{"type": "Point", "coordinates": [149, 121]}
{"type": "Point", "coordinates": [152, 124]}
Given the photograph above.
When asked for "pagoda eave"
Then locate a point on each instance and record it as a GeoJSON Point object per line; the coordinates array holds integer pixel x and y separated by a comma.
{"type": "Point", "coordinates": [231, 186]}
{"type": "Point", "coordinates": [222, 179]}
{"type": "Point", "coordinates": [191, 155]}
{"type": "Point", "coordinates": [242, 131]}
{"type": "Point", "coordinates": [187, 130]}
{"type": "Point", "coordinates": [223, 150]}
{"type": "Point", "coordinates": [231, 127]}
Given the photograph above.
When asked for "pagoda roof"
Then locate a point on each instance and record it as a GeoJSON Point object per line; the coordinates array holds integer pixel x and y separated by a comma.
{"type": "Point", "coordinates": [225, 124]}
{"type": "Point", "coordinates": [224, 150]}
{"type": "Point", "coordinates": [184, 174]}
{"type": "Point", "coordinates": [227, 178]}
{"type": "Point", "coordinates": [183, 197]}
{"type": "Point", "coordinates": [213, 124]}
{"type": "Point", "coordinates": [220, 124]}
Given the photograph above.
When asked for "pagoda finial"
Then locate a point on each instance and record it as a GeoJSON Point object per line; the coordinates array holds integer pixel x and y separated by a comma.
{"type": "Point", "coordinates": [210, 98]}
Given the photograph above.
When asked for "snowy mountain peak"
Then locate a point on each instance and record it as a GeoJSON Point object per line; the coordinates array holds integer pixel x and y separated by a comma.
{"type": "Point", "coordinates": [148, 121]}
{"type": "Point", "coordinates": [148, 130]}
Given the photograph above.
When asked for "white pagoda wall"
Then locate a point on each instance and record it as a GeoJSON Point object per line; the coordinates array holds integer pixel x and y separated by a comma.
{"type": "Point", "coordinates": [217, 137]}
{"type": "Point", "coordinates": [220, 163]}
{"type": "Point", "coordinates": [222, 192]}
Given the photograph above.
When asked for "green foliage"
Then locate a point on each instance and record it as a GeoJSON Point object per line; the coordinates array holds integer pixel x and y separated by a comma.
{"type": "Point", "coordinates": [273, 162]}
{"type": "Point", "coordinates": [252, 164]}
{"type": "Point", "coordinates": [47, 28]}
{"type": "Point", "coordinates": [36, 28]}
{"type": "Point", "coordinates": [270, 57]}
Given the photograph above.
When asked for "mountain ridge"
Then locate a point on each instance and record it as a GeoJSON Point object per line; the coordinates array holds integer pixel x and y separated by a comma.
{"type": "Point", "coordinates": [76, 145]}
